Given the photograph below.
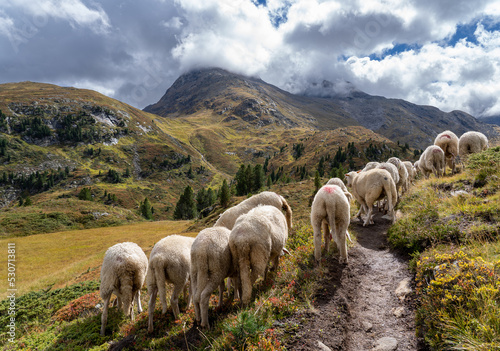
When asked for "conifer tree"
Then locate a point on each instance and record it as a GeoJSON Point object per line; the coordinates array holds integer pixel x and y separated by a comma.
{"type": "Point", "coordinates": [224, 194]}
{"type": "Point", "coordinates": [258, 178]}
{"type": "Point", "coordinates": [317, 182]}
{"type": "Point", "coordinates": [146, 209]}
{"type": "Point", "coordinates": [186, 206]}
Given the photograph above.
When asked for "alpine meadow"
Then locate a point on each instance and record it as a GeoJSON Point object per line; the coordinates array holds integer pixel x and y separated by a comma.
{"type": "Point", "coordinates": [81, 172]}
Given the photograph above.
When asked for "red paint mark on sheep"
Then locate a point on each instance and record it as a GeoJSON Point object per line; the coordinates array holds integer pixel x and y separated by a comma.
{"type": "Point", "coordinates": [330, 188]}
{"type": "Point", "coordinates": [437, 150]}
{"type": "Point", "coordinates": [445, 136]}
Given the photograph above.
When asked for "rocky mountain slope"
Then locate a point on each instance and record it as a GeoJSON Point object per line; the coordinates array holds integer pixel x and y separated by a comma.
{"type": "Point", "coordinates": [248, 101]}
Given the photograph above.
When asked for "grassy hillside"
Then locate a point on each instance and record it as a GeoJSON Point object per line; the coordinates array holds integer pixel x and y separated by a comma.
{"type": "Point", "coordinates": [449, 226]}
{"type": "Point", "coordinates": [56, 141]}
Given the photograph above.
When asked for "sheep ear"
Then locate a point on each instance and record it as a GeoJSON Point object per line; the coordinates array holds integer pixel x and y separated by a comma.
{"type": "Point", "coordinates": [285, 251]}
{"type": "Point", "coordinates": [358, 171]}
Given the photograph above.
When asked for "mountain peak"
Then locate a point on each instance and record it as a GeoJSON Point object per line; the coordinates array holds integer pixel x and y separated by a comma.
{"type": "Point", "coordinates": [327, 89]}
{"type": "Point", "coordinates": [247, 102]}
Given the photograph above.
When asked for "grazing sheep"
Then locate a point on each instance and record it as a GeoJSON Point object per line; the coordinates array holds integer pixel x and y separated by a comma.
{"type": "Point", "coordinates": [392, 169]}
{"type": "Point", "coordinates": [211, 263]}
{"type": "Point", "coordinates": [471, 143]}
{"type": "Point", "coordinates": [229, 217]}
{"type": "Point", "coordinates": [402, 184]}
{"type": "Point", "coordinates": [169, 262]}
{"type": "Point", "coordinates": [412, 172]}
{"type": "Point", "coordinates": [371, 186]}
{"type": "Point", "coordinates": [330, 208]}
{"type": "Point", "coordinates": [258, 237]}
{"type": "Point", "coordinates": [448, 142]}
{"type": "Point", "coordinates": [371, 165]}
{"type": "Point", "coordinates": [340, 183]}
{"type": "Point", "coordinates": [432, 160]}
{"type": "Point", "coordinates": [123, 272]}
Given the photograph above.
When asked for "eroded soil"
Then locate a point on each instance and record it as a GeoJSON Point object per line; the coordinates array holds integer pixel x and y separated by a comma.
{"type": "Point", "coordinates": [363, 303]}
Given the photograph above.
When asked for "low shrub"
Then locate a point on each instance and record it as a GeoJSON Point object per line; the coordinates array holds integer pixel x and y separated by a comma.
{"type": "Point", "coordinates": [459, 301]}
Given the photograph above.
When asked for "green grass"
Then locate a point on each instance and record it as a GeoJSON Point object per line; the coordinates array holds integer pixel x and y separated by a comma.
{"type": "Point", "coordinates": [60, 258]}
{"type": "Point", "coordinates": [451, 228]}
{"type": "Point", "coordinates": [74, 324]}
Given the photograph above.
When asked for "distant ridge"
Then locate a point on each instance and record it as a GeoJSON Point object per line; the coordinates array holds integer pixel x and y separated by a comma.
{"type": "Point", "coordinates": [251, 101]}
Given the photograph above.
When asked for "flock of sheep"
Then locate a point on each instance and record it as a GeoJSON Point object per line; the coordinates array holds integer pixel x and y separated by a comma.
{"type": "Point", "coordinates": [249, 236]}
{"type": "Point", "coordinates": [240, 246]}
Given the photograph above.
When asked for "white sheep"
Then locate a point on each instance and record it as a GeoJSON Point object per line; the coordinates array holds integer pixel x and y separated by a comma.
{"type": "Point", "coordinates": [392, 169]}
{"type": "Point", "coordinates": [471, 143]}
{"type": "Point", "coordinates": [340, 183]}
{"type": "Point", "coordinates": [229, 217]}
{"type": "Point", "coordinates": [211, 263]}
{"type": "Point", "coordinates": [258, 237]}
{"type": "Point", "coordinates": [122, 273]}
{"type": "Point", "coordinates": [330, 208]}
{"type": "Point", "coordinates": [402, 184]}
{"type": "Point", "coordinates": [371, 186]}
{"type": "Point", "coordinates": [448, 142]}
{"type": "Point", "coordinates": [432, 160]}
{"type": "Point", "coordinates": [371, 165]}
{"type": "Point", "coordinates": [169, 262]}
{"type": "Point", "coordinates": [412, 172]}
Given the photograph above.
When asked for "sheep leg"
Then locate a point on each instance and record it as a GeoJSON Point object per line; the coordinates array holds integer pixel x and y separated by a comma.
{"type": "Point", "coordinates": [368, 219]}
{"type": "Point", "coordinates": [327, 234]}
{"type": "Point", "coordinates": [246, 284]}
{"type": "Point", "coordinates": [138, 299]}
{"type": "Point", "coordinates": [340, 238]}
{"type": "Point", "coordinates": [160, 284]}
{"type": "Point", "coordinates": [259, 265]}
{"type": "Point", "coordinates": [174, 299]}
{"type": "Point", "coordinates": [332, 232]}
{"type": "Point", "coordinates": [316, 224]}
{"type": "Point", "coordinates": [221, 293]}
{"type": "Point", "coordinates": [151, 308]}
{"type": "Point", "coordinates": [104, 317]}
{"type": "Point", "coordinates": [185, 294]}
{"type": "Point", "coordinates": [204, 301]}
{"type": "Point", "coordinates": [195, 290]}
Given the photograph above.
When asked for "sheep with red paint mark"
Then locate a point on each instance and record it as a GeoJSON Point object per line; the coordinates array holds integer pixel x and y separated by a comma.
{"type": "Point", "coordinates": [340, 183]}
{"type": "Point", "coordinates": [331, 207]}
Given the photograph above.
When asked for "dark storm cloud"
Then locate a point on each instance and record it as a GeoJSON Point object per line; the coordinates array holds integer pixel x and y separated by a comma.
{"type": "Point", "coordinates": [428, 52]}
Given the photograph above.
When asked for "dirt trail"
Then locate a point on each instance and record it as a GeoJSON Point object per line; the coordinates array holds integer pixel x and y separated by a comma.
{"type": "Point", "coordinates": [364, 305]}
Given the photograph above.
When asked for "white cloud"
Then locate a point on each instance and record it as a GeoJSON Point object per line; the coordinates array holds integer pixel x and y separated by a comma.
{"type": "Point", "coordinates": [236, 35]}
{"type": "Point", "coordinates": [73, 11]}
{"type": "Point", "coordinates": [134, 50]}
{"type": "Point", "coordinates": [6, 25]}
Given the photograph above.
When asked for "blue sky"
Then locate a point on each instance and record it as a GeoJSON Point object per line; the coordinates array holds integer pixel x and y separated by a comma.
{"type": "Point", "coordinates": [441, 53]}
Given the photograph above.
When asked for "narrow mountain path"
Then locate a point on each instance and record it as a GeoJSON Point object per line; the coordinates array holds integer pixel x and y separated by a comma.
{"type": "Point", "coordinates": [363, 305]}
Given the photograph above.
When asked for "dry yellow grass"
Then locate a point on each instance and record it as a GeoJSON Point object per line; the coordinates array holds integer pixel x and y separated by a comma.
{"type": "Point", "coordinates": [57, 258]}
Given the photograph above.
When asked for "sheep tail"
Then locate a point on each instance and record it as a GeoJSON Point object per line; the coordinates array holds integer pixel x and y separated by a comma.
{"type": "Point", "coordinates": [288, 211]}
{"type": "Point", "coordinates": [126, 283]}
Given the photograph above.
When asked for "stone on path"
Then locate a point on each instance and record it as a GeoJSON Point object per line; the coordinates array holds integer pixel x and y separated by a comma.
{"type": "Point", "coordinates": [386, 344]}
{"type": "Point", "coordinates": [322, 347]}
{"type": "Point", "coordinates": [403, 288]}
